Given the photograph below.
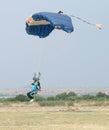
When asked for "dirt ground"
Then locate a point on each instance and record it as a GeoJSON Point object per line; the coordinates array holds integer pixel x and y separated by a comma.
{"type": "Point", "coordinates": [26, 116]}
{"type": "Point", "coordinates": [34, 107]}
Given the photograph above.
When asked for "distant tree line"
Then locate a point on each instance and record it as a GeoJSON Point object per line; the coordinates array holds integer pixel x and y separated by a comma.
{"type": "Point", "coordinates": [61, 99]}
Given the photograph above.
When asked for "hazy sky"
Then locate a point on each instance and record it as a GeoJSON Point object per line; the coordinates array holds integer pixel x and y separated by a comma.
{"type": "Point", "coordinates": [79, 59]}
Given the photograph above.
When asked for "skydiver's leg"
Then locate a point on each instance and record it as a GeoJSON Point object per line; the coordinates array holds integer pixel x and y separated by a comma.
{"type": "Point", "coordinates": [30, 94]}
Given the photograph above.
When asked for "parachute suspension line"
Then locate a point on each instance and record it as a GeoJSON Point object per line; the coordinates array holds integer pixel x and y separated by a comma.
{"type": "Point", "coordinates": [41, 59]}
{"type": "Point", "coordinates": [99, 26]}
{"type": "Point", "coordinates": [83, 20]}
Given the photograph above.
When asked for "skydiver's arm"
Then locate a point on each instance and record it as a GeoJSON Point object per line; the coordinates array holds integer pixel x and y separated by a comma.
{"type": "Point", "coordinates": [39, 87]}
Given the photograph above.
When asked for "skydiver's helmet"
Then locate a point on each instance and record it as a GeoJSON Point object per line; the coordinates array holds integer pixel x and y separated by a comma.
{"type": "Point", "coordinates": [35, 79]}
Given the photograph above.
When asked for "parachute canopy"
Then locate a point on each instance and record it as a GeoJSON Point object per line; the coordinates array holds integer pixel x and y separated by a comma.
{"type": "Point", "coordinates": [43, 23]}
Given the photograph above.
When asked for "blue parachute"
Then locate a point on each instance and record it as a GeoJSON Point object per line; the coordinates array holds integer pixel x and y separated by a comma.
{"type": "Point", "coordinates": [43, 23]}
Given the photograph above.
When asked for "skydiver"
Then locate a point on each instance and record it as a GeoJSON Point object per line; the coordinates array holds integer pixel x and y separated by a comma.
{"type": "Point", "coordinates": [35, 88]}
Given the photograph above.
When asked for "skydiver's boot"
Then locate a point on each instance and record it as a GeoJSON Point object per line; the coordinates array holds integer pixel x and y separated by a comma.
{"type": "Point", "coordinates": [31, 100]}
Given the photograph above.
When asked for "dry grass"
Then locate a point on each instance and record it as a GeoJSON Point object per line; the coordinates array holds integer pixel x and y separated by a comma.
{"type": "Point", "coordinates": [33, 117]}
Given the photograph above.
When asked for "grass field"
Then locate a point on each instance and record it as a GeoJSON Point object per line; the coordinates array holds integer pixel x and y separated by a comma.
{"type": "Point", "coordinates": [33, 117]}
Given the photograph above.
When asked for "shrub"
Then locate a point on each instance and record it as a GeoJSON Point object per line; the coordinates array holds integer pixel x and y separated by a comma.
{"type": "Point", "coordinates": [100, 94]}
{"type": "Point", "coordinates": [70, 103]}
{"type": "Point", "coordinates": [61, 96]}
{"type": "Point", "coordinates": [51, 98]}
{"type": "Point", "coordinates": [87, 97]}
{"type": "Point", "coordinates": [21, 98]}
{"type": "Point", "coordinates": [38, 98]}
{"type": "Point", "coordinates": [72, 94]}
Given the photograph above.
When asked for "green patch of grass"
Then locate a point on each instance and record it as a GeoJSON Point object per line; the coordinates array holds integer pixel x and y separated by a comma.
{"type": "Point", "coordinates": [52, 103]}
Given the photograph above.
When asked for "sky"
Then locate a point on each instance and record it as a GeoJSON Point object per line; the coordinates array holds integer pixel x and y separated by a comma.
{"type": "Point", "coordinates": [78, 59]}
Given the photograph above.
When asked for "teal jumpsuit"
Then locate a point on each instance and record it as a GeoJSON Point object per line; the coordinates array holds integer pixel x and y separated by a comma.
{"type": "Point", "coordinates": [33, 91]}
